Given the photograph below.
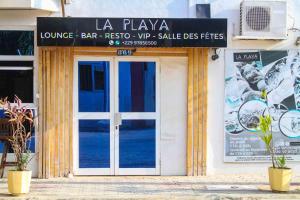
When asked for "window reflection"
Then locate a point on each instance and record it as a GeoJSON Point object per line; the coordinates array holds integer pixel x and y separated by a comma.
{"type": "Point", "coordinates": [17, 43]}
{"type": "Point", "coordinates": [93, 86]}
{"type": "Point", "coordinates": [137, 144]}
{"type": "Point", "coordinates": [137, 86]}
{"type": "Point", "coordinates": [85, 72]}
{"type": "Point", "coordinates": [16, 78]}
{"type": "Point", "coordinates": [94, 143]}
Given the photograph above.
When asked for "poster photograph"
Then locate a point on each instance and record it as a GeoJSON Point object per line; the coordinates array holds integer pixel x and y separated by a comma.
{"type": "Point", "coordinates": [247, 73]}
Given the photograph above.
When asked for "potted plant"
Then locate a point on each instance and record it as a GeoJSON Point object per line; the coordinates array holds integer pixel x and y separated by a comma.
{"type": "Point", "coordinates": [21, 123]}
{"type": "Point", "coordinates": [279, 174]}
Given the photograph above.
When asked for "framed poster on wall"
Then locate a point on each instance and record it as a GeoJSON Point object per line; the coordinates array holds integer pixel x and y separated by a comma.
{"type": "Point", "coordinates": [247, 73]}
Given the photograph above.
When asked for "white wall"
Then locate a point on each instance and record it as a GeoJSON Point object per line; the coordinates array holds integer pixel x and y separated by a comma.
{"type": "Point", "coordinates": [16, 18]}
{"type": "Point", "coordinates": [128, 8]}
{"type": "Point", "coordinates": [215, 130]}
{"type": "Point", "coordinates": [173, 121]}
{"type": "Point", "coordinates": [33, 164]}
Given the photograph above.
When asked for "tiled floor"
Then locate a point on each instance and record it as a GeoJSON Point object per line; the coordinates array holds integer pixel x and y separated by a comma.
{"type": "Point", "coordinates": [210, 187]}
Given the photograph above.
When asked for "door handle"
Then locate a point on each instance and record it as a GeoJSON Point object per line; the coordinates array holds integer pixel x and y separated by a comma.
{"type": "Point", "coordinates": [118, 119]}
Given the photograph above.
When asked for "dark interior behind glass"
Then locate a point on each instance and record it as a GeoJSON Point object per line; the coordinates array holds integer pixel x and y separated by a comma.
{"type": "Point", "coordinates": [17, 43]}
{"type": "Point", "coordinates": [16, 78]}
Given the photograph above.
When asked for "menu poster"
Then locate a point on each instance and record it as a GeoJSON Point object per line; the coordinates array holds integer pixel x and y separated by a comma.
{"type": "Point", "coordinates": [247, 73]}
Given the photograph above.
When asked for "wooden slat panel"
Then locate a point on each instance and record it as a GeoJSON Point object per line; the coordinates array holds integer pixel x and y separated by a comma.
{"type": "Point", "coordinates": [87, 53]}
{"type": "Point", "coordinates": [197, 112]}
{"type": "Point", "coordinates": [53, 76]}
{"type": "Point", "coordinates": [113, 49]}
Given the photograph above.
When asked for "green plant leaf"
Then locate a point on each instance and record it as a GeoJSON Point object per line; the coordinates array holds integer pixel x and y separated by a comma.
{"type": "Point", "coordinates": [263, 94]}
{"type": "Point", "coordinates": [281, 161]}
{"type": "Point", "coordinates": [265, 123]}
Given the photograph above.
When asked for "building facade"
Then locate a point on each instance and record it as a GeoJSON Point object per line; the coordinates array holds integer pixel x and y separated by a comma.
{"type": "Point", "coordinates": [149, 111]}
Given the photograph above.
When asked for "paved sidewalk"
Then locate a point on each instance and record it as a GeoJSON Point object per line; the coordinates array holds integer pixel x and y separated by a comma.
{"type": "Point", "coordinates": [241, 187]}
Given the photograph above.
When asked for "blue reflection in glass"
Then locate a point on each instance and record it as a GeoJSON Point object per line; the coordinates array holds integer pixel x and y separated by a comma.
{"type": "Point", "coordinates": [93, 86]}
{"type": "Point", "coordinates": [30, 144]}
{"type": "Point", "coordinates": [137, 144]}
{"type": "Point", "coordinates": [137, 86]}
{"type": "Point", "coordinates": [94, 143]}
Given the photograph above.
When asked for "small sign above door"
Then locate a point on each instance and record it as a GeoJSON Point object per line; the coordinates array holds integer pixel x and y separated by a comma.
{"type": "Point", "coordinates": [125, 52]}
{"type": "Point", "coordinates": [131, 32]}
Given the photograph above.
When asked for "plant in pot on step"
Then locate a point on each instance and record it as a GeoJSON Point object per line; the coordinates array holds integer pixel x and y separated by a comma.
{"type": "Point", "coordinates": [279, 174]}
{"type": "Point", "coordinates": [20, 123]}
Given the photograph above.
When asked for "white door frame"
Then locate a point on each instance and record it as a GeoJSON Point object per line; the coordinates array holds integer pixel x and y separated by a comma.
{"type": "Point", "coordinates": [114, 133]}
{"type": "Point", "coordinates": [92, 115]}
{"type": "Point", "coordinates": [139, 115]}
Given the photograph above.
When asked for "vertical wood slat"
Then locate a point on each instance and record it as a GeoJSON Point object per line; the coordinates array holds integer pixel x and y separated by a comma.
{"type": "Point", "coordinates": [40, 113]}
{"type": "Point", "coordinates": [51, 133]}
{"type": "Point", "coordinates": [60, 113]}
{"type": "Point", "coordinates": [204, 113]}
{"type": "Point", "coordinates": [197, 112]}
{"type": "Point", "coordinates": [189, 165]}
{"type": "Point", "coordinates": [44, 93]}
{"type": "Point", "coordinates": [65, 152]}
{"type": "Point", "coordinates": [48, 116]}
{"type": "Point", "coordinates": [200, 111]}
{"type": "Point", "coordinates": [71, 74]}
{"type": "Point", "coordinates": [55, 110]}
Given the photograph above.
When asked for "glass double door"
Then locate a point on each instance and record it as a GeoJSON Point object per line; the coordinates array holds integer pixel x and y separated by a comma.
{"type": "Point", "coordinates": [116, 118]}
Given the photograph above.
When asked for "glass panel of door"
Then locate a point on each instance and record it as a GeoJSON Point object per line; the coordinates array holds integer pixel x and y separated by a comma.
{"type": "Point", "coordinates": [116, 117]}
